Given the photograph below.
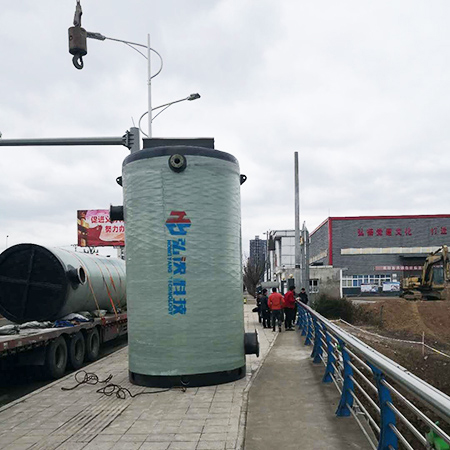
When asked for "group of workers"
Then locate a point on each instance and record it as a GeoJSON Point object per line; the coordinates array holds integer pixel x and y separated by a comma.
{"type": "Point", "coordinates": [274, 309]}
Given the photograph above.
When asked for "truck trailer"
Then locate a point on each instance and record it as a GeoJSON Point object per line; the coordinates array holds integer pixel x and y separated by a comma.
{"type": "Point", "coordinates": [56, 349]}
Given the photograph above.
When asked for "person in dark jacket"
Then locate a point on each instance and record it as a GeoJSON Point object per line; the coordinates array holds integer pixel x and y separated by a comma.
{"type": "Point", "coordinates": [265, 311]}
{"type": "Point", "coordinates": [258, 306]}
{"type": "Point", "coordinates": [303, 296]}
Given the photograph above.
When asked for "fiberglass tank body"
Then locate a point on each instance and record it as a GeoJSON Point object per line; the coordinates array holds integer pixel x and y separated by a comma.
{"type": "Point", "coordinates": [184, 273]}
{"type": "Point", "coordinates": [40, 283]}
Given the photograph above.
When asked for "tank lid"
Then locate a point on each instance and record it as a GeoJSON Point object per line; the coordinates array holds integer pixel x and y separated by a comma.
{"type": "Point", "coordinates": [168, 142]}
{"type": "Point", "coordinates": [181, 149]}
{"type": "Point", "coordinates": [33, 284]}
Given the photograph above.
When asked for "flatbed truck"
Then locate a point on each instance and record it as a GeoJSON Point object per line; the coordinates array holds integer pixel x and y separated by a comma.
{"type": "Point", "coordinates": [56, 349]}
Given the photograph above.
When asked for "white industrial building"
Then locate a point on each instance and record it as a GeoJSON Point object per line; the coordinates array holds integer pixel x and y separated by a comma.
{"type": "Point", "coordinates": [281, 266]}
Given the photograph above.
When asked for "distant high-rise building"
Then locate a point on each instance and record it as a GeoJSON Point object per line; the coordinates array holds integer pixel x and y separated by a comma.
{"type": "Point", "coordinates": [258, 250]}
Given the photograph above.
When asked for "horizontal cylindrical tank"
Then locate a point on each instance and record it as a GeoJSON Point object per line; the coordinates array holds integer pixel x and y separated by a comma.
{"type": "Point", "coordinates": [40, 283]}
{"type": "Point", "coordinates": [184, 277]}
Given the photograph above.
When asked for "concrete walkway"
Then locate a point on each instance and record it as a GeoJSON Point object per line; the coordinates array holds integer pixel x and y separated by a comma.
{"type": "Point", "coordinates": [206, 418]}
{"type": "Point", "coordinates": [290, 408]}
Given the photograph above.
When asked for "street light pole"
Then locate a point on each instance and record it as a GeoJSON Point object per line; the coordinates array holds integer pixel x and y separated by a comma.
{"type": "Point", "coordinates": [100, 37]}
{"type": "Point", "coordinates": [149, 134]}
{"type": "Point", "coordinates": [149, 91]}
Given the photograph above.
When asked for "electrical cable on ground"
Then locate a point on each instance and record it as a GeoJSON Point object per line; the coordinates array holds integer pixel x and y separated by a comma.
{"type": "Point", "coordinates": [110, 388]}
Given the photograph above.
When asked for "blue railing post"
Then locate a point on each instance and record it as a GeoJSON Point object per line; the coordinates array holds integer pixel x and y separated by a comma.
{"type": "Point", "coordinates": [309, 333]}
{"type": "Point", "coordinates": [331, 359]}
{"type": "Point", "coordinates": [301, 318]}
{"type": "Point", "coordinates": [317, 349]}
{"type": "Point", "coordinates": [348, 387]}
{"type": "Point", "coordinates": [304, 322]}
{"type": "Point", "coordinates": [388, 438]}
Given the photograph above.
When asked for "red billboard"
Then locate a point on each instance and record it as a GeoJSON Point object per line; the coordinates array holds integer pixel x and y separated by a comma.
{"type": "Point", "coordinates": [95, 229]}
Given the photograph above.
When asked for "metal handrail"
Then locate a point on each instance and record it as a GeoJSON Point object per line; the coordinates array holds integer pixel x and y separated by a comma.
{"type": "Point", "coordinates": [342, 353]}
{"type": "Point", "coordinates": [432, 397]}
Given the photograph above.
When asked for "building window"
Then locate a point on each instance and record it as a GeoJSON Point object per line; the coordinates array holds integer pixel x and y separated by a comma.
{"type": "Point", "coordinates": [314, 286]}
{"type": "Point", "coordinates": [357, 280]}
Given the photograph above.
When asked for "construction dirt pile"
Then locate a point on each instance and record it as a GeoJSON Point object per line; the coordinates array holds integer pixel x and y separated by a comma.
{"type": "Point", "coordinates": [400, 320]}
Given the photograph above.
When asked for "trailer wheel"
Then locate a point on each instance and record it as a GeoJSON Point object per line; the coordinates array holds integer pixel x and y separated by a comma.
{"type": "Point", "coordinates": [77, 349]}
{"type": "Point", "coordinates": [56, 358]}
{"type": "Point", "coordinates": [92, 345]}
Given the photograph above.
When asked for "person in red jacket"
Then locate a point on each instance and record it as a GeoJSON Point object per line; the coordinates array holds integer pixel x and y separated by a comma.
{"type": "Point", "coordinates": [276, 304]}
{"type": "Point", "coordinates": [289, 309]}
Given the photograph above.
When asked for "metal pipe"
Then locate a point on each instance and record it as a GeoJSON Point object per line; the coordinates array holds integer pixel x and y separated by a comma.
{"type": "Point", "coordinates": [367, 396]}
{"type": "Point", "coordinates": [418, 413]}
{"type": "Point", "coordinates": [130, 140]}
{"type": "Point", "coordinates": [366, 413]}
{"type": "Point", "coordinates": [366, 434]}
{"type": "Point", "coordinates": [369, 383]}
{"type": "Point", "coordinates": [360, 361]}
{"type": "Point", "coordinates": [408, 424]}
{"type": "Point", "coordinates": [401, 437]}
{"type": "Point", "coordinates": [62, 141]}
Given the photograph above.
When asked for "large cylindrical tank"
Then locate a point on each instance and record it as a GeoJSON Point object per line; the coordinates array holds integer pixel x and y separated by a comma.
{"type": "Point", "coordinates": [184, 270]}
{"type": "Point", "coordinates": [40, 283]}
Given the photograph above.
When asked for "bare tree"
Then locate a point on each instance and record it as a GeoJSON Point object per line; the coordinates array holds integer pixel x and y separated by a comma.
{"type": "Point", "coordinates": [253, 274]}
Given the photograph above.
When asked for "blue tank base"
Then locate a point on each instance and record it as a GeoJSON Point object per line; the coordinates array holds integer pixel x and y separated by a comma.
{"type": "Point", "coordinates": [194, 380]}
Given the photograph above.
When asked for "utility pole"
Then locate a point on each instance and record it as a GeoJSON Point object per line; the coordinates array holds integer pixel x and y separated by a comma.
{"type": "Point", "coordinates": [297, 270]}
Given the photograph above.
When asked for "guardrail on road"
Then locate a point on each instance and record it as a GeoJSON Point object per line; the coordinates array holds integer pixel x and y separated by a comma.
{"type": "Point", "coordinates": [394, 408]}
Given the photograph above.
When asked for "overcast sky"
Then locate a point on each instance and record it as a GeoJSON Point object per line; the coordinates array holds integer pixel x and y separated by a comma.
{"type": "Point", "coordinates": [360, 89]}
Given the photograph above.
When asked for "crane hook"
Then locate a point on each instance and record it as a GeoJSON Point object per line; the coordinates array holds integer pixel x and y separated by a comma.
{"type": "Point", "coordinates": [78, 61]}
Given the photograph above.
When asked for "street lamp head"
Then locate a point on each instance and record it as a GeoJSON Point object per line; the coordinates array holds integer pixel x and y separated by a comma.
{"type": "Point", "coordinates": [193, 97]}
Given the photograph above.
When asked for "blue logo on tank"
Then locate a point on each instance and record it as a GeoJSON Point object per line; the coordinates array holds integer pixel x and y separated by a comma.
{"type": "Point", "coordinates": [177, 225]}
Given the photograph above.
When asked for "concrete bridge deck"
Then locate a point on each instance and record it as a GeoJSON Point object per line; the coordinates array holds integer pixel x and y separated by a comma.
{"type": "Point", "coordinates": [280, 404]}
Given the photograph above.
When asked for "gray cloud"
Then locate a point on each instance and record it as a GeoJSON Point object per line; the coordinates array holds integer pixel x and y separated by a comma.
{"type": "Point", "coordinates": [359, 90]}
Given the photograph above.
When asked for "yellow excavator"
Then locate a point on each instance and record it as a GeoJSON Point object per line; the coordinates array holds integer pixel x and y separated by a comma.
{"type": "Point", "coordinates": [434, 284]}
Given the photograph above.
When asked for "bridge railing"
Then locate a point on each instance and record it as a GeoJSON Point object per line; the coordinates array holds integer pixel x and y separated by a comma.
{"type": "Point", "coordinates": [394, 408]}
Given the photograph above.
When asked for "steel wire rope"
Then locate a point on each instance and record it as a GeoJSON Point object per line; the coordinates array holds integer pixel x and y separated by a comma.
{"type": "Point", "coordinates": [107, 289]}
{"type": "Point", "coordinates": [113, 285]}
